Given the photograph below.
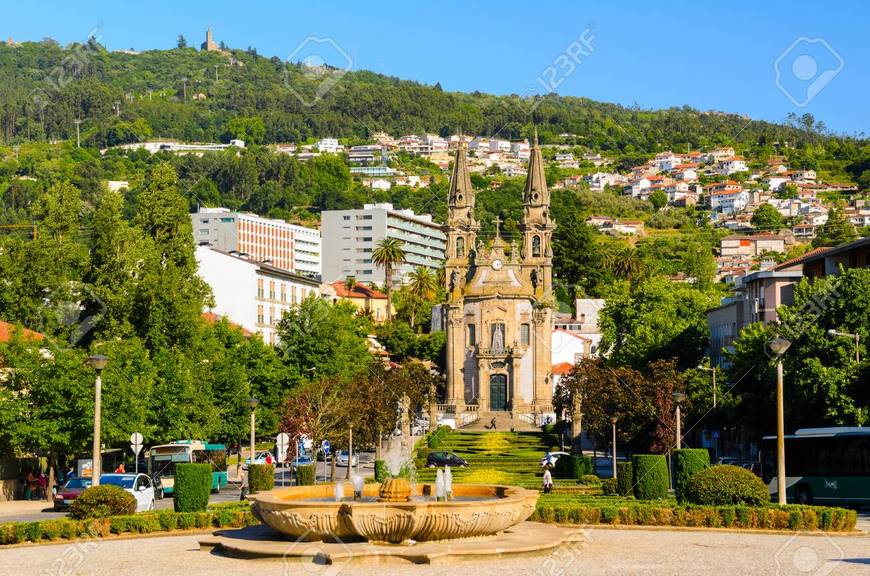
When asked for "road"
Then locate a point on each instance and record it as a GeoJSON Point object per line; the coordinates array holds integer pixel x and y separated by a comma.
{"type": "Point", "coordinates": [604, 552]}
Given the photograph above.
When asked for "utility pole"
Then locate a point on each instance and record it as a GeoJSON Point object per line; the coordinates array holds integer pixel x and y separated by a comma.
{"type": "Point", "coordinates": [215, 72]}
{"type": "Point", "coordinates": [184, 88]}
{"type": "Point", "coordinates": [78, 134]}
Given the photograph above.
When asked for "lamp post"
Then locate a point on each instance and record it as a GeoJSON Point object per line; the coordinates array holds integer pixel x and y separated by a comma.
{"type": "Point", "coordinates": [613, 421]}
{"type": "Point", "coordinates": [713, 370]}
{"type": "Point", "coordinates": [679, 398]}
{"type": "Point", "coordinates": [779, 345]}
{"type": "Point", "coordinates": [252, 404]}
{"type": "Point", "coordinates": [97, 362]}
{"type": "Point", "coordinates": [857, 338]}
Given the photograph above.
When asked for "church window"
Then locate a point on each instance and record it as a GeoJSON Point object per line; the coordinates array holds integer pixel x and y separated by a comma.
{"type": "Point", "coordinates": [536, 246]}
{"type": "Point", "coordinates": [472, 335]}
{"type": "Point", "coordinates": [524, 334]}
{"type": "Point", "coordinates": [460, 247]}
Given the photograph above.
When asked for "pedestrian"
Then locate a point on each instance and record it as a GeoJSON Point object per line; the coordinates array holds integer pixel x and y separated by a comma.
{"type": "Point", "coordinates": [548, 480]}
{"type": "Point", "coordinates": [42, 483]}
{"type": "Point", "coordinates": [120, 469]}
{"type": "Point", "coordinates": [29, 485]}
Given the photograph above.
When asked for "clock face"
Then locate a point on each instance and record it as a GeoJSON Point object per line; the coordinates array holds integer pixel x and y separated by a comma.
{"type": "Point", "coordinates": [496, 264]}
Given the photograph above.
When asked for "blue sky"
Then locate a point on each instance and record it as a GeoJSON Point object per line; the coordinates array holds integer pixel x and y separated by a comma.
{"type": "Point", "coordinates": [707, 55]}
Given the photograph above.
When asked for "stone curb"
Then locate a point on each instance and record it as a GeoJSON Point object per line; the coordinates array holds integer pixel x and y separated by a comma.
{"type": "Point", "coordinates": [853, 533]}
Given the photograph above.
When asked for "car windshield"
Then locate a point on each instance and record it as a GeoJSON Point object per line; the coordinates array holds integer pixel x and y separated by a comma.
{"type": "Point", "coordinates": [78, 483]}
{"type": "Point", "coordinates": [122, 481]}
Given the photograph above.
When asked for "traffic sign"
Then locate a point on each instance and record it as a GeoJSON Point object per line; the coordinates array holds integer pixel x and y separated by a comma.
{"type": "Point", "coordinates": [136, 446]}
{"type": "Point", "coordinates": [325, 446]}
{"type": "Point", "coordinates": [282, 441]}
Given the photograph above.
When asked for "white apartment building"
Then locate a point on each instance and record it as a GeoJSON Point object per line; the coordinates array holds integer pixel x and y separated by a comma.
{"type": "Point", "coordinates": [729, 201]}
{"type": "Point", "coordinates": [283, 245]}
{"type": "Point", "coordinates": [252, 294]}
{"type": "Point", "coordinates": [499, 146]}
{"type": "Point", "coordinates": [351, 237]}
{"type": "Point", "coordinates": [732, 165]}
{"type": "Point", "coordinates": [329, 145]}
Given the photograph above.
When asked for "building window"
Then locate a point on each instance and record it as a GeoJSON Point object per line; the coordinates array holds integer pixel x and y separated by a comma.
{"type": "Point", "coordinates": [283, 292]}
{"type": "Point", "coordinates": [260, 314]}
{"type": "Point", "coordinates": [345, 217]}
{"type": "Point", "coordinates": [293, 295]}
{"type": "Point", "coordinates": [536, 246]}
{"type": "Point", "coordinates": [271, 290]}
{"type": "Point", "coordinates": [259, 287]}
{"type": "Point", "coordinates": [460, 247]}
{"type": "Point", "coordinates": [472, 335]}
{"type": "Point", "coordinates": [524, 334]}
{"type": "Point", "coordinates": [271, 315]}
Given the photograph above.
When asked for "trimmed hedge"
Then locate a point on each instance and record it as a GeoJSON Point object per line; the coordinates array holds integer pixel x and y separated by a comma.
{"type": "Point", "coordinates": [382, 472]}
{"type": "Point", "coordinates": [650, 476]}
{"type": "Point", "coordinates": [724, 484]}
{"type": "Point", "coordinates": [590, 480]}
{"type": "Point", "coordinates": [233, 515]}
{"type": "Point", "coordinates": [555, 508]}
{"type": "Point", "coordinates": [687, 463]}
{"type": "Point", "coordinates": [437, 436]}
{"type": "Point", "coordinates": [305, 475]}
{"type": "Point", "coordinates": [102, 501]}
{"type": "Point", "coordinates": [261, 477]}
{"type": "Point", "coordinates": [624, 478]}
{"type": "Point", "coordinates": [573, 466]}
{"type": "Point", "coordinates": [192, 487]}
{"type": "Point", "coordinates": [608, 486]}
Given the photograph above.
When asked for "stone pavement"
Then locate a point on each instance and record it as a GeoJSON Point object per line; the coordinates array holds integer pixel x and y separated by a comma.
{"type": "Point", "coordinates": [606, 551]}
{"type": "Point", "coordinates": [22, 507]}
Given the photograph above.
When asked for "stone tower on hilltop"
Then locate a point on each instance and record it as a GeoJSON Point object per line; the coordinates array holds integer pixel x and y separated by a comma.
{"type": "Point", "coordinates": [499, 302]}
{"type": "Point", "coordinates": [209, 45]}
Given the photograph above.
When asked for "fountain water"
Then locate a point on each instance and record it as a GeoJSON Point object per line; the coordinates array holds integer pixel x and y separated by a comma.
{"type": "Point", "coordinates": [338, 491]}
{"type": "Point", "coordinates": [439, 486]}
{"type": "Point", "coordinates": [448, 483]}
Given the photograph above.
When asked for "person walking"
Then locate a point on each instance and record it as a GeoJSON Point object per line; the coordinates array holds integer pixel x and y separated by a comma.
{"type": "Point", "coordinates": [548, 480]}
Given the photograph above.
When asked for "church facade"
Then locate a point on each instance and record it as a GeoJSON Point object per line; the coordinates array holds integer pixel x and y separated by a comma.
{"type": "Point", "coordinates": [499, 301]}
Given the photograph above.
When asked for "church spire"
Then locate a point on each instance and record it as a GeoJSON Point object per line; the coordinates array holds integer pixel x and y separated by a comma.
{"type": "Point", "coordinates": [536, 191]}
{"type": "Point", "coordinates": [461, 192]}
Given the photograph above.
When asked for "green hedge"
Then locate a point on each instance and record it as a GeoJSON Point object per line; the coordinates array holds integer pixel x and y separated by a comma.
{"type": "Point", "coordinates": [590, 480]}
{"type": "Point", "coordinates": [687, 463]}
{"type": "Point", "coordinates": [382, 472]}
{"type": "Point", "coordinates": [624, 478]}
{"type": "Point", "coordinates": [573, 466]}
{"type": "Point", "coordinates": [102, 501]}
{"type": "Point", "coordinates": [305, 475]}
{"type": "Point", "coordinates": [565, 509]}
{"type": "Point", "coordinates": [261, 477]}
{"type": "Point", "coordinates": [437, 436]}
{"type": "Point", "coordinates": [650, 476]}
{"type": "Point", "coordinates": [723, 485]}
{"type": "Point", "coordinates": [192, 487]}
{"type": "Point", "coordinates": [608, 486]}
{"type": "Point", "coordinates": [232, 515]}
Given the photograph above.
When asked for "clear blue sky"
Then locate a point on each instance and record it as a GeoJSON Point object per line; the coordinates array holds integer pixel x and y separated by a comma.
{"type": "Point", "coordinates": [707, 55]}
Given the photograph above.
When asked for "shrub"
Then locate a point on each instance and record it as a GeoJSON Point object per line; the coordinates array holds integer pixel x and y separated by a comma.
{"type": "Point", "coordinates": [102, 501]}
{"type": "Point", "coordinates": [261, 477]}
{"type": "Point", "coordinates": [590, 480]}
{"type": "Point", "coordinates": [650, 476]}
{"type": "Point", "coordinates": [381, 470]}
{"type": "Point", "coordinates": [573, 466]}
{"type": "Point", "coordinates": [608, 486]}
{"type": "Point", "coordinates": [688, 462]}
{"type": "Point", "coordinates": [437, 436]}
{"type": "Point", "coordinates": [305, 475]}
{"type": "Point", "coordinates": [726, 485]}
{"type": "Point", "coordinates": [192, 487]}
{"type": "Point", "coordinates": [624, 478]}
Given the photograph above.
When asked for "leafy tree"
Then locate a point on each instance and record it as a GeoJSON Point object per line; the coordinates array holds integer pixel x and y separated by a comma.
{"type": "Point", "coordinates": [388, 255]}
{"type": "Point", "coordinates": [577, 258]}
{"type": "Point", "coordinates": [836, 230]}
{"type": "Point", "coordinates": [422, 288]}
{"type": "Point", "coordinates": [250, 129]}
{"type": "Point", "coordinates": [659, 199]}
{"type": "Point", "coordinates": [181, 42]}
{"type": "Point", "coordinates": [766, 217]}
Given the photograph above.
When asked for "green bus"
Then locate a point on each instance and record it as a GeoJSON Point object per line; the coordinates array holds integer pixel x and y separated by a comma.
{"type": "Point", "coordinates": [162, 460]}
{"type": "Point", "coordinates": [822, 466]}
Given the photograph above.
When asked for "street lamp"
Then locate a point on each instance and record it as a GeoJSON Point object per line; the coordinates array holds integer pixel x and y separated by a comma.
{"type": "Point", "coordinates": [779, 345]}
{"type": "Point", "coordinates": [613, 421]}
{"type": "Point", "coordinates": [857, 338]}
{"type": "Point", "coordinates": [252, 404]}
{"type": "Point", "coordinates": [97, 362]}
{"type": "Point", "coordinates": [679, 398]}
{"type": "Point", "coordinates": [713, 370]}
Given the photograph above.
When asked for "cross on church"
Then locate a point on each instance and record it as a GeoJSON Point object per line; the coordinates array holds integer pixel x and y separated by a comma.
{"type": "Point", "coordinates": [497, 222]}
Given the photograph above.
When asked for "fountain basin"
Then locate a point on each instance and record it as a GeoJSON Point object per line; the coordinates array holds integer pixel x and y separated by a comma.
{"type": "Point", "coordinates": [303, 513]}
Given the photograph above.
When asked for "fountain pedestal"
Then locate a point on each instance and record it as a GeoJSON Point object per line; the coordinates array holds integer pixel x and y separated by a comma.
{"type": "Point", "coordinates": [395, 490]}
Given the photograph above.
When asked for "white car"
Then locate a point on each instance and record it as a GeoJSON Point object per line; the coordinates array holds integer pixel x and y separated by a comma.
{"type": "Point", "coordinates": [341, 459]}
{"type": "Point", "coordinates": [139, 485]}
{"type": "Point", "coordinates": [551, 458]}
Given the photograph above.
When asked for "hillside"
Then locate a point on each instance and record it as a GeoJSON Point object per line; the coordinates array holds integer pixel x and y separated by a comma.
{"type": "Point", "coordinates": [46, 87]}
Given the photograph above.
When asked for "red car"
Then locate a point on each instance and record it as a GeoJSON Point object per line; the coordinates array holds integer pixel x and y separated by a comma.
{"type": "Point", "coordinates": [70, 491]}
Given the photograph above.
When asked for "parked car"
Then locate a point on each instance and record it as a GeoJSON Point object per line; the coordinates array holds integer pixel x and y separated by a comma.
{"type": "Point", "coordinates": [70, 491]}
{"type": "Point", "coordinates": [139, 485]}
{"type": "Point", "coordinates": [551, 458]}
{"type": "Point", "coordinates": [302, 460]}
{"type": "Point", "coordinates": [342, 457]}
{"type": "Point", "coordinates": [264, 457]}
{"type": "Point", "coordinates": [444, 459]}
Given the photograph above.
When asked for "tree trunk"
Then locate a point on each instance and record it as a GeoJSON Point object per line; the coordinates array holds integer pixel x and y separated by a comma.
{"type": "Point", "coordinates": [332, 468]}
{"type": "Point", "coordinates": [52, 460]}
{"type": "Point", "coordinates": [349, 453]}
{"type": "Point", "coordinates": [388, 285]}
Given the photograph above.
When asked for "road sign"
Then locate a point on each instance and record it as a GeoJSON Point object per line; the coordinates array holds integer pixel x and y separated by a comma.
{"type": "Point", "coordinates": [325, 446]}
{"type": "Point", "coordinates": [136, 447]}
{"type": "Point", "coordinates": [282, 441]}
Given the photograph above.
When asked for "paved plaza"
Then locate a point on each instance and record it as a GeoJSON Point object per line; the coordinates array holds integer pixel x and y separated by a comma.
{"type": "Point", "coordinates": [606, 551]}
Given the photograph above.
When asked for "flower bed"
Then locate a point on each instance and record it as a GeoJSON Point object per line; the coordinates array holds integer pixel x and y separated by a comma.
{"type": "Point", "coordinates": [573, 509]}
{"type": "Point", "coordinates": [232, 515]}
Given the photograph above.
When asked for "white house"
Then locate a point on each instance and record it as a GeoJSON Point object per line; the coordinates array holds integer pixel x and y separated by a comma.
{"type": "Point", "coordinates": [637, 186]}
{"type": "Point", "coordinates": [328, 145]}
{"type": "Point", "coordinates": [733, 165]}
{"type": "Point", "coordinates": [252, 294]}
{"type": "Point", "coordinates": [497, 145]}
{"type": "Point", "coordinates": [666, 161]}
{"type": "Point", "coordinates": [729, 201]}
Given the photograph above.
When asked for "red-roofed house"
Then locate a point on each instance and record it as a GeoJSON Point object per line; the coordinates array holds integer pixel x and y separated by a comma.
{"type": "Point", "coordinates": [7, 330]}
{"type": "Point", "coordinates": [366, 298]}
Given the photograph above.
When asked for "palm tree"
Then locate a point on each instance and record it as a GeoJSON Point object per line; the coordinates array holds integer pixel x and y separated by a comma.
{"type": "Point", "coordinates": [423, 287]}
{"type": "Point", "coordinates": [388, 254]}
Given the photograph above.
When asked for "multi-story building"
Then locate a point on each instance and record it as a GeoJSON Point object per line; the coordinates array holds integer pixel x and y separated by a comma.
{"type": "Point", "coordinates": [252, 294]}
{"type": "Point", "coordinates": [353, 235]}
{"type": "Point", "coordinates": [276, 242]}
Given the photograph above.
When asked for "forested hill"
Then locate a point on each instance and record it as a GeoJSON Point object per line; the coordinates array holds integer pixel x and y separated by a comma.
{"type": "Point", "coordinates": [192, 95]}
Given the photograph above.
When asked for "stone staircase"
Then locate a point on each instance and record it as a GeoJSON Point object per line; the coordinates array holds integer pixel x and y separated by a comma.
{"type": "Point", "coordinates": [504, 422]}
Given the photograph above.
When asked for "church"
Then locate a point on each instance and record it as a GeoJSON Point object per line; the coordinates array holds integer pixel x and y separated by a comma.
{"type": "Point", "coordinates": [499, 311]}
